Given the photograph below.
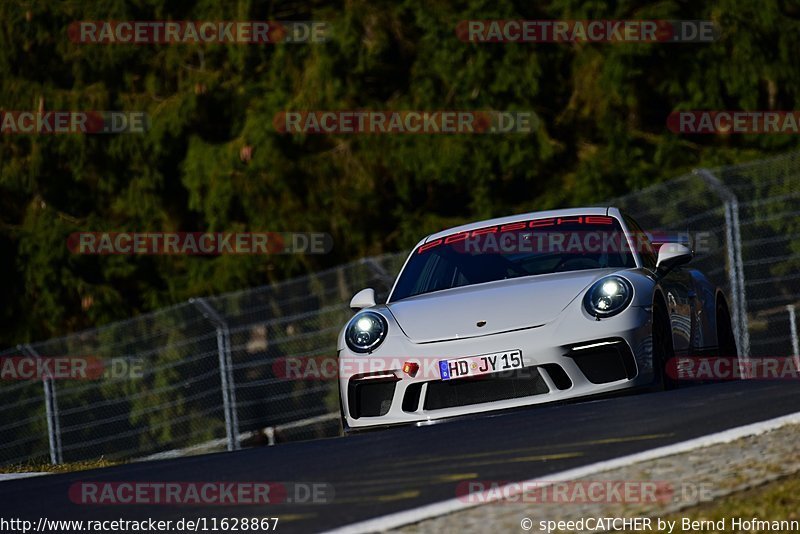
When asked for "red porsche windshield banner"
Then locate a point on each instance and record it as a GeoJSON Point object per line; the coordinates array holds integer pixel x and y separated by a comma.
{"type": "Point", "coordinates": [565, 235]}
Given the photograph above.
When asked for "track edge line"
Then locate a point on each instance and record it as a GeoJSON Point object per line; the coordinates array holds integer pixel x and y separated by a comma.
{"type": "Point", "coordinates": [428, 511]}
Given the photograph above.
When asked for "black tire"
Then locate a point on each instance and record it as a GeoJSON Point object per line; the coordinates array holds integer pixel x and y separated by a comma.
{"type": "Point", "coordinates": [726, 342]}
{"type": "Point", "coordinates": [663, 352]}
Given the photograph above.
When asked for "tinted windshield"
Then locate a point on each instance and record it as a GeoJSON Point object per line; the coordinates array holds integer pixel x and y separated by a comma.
{"type": "Point", "coordinates": [526, 248]}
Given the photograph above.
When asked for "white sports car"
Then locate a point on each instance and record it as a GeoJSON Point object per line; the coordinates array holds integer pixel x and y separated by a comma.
{"type": "Point", "coordinates": [522, 310]}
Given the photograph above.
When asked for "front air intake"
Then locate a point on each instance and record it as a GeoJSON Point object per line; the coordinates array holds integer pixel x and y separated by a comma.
{"type": "Point", "coordinates": [604, 361]}
{"type": "Point", "coordinates": [523, 382]}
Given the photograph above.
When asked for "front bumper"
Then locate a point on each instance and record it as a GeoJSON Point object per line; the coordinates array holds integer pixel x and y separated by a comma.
{"type": "Point", "coordinates": [569, 358]}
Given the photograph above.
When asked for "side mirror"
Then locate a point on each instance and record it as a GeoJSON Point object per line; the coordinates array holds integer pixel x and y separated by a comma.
{"type": "Point", "coordinates": [363, 299]}
{"type": "Point", "coordinates": [671, 255]}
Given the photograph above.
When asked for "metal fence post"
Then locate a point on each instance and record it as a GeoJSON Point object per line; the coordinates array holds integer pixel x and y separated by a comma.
{"type": "Point", "coordinates": [744, 346]}
{"type": "Point", "coordinates": [225, 372]}
{"type": "Point", "coordinates": [733, 241]}
{"type": "Point", "coordinates": [793, 331]}
{"type": "Point", "coordinates": [732, 278]}
{"type": "Point", "coordinates": [51, 409]}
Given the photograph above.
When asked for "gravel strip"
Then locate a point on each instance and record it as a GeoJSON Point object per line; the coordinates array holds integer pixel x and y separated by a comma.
{"type": "Point", "coordinates": [681, 481]}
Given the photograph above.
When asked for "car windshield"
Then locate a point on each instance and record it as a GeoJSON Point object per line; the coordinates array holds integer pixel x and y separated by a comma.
{"type": "Point", "coordinates": [525, 248]}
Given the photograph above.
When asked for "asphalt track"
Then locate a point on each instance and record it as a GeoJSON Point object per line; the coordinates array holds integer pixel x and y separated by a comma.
{"type": "Point", "coordinates": [398, 469]}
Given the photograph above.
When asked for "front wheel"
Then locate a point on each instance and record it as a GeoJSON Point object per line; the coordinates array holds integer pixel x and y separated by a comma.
{"type": "Point", "coordinates": [663, 352]}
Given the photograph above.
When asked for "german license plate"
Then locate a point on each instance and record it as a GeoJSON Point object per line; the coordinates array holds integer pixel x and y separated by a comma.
{"type": "Point", "coordinates": [480, 365]}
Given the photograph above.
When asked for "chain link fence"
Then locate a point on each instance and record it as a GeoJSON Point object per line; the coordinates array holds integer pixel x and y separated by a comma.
{"type": "Point", "coordinates": [205, 372]}
{"type": "Point", "coordinates": [744, 223]}
{"type": "Point", "coordinates": [208, 368]}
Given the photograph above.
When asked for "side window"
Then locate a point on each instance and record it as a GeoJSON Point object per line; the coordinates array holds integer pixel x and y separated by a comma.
{"type": "Point", "coordinates": [642, 243]}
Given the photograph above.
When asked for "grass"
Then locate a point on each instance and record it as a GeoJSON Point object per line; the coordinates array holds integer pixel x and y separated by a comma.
{"type": "Point", "coordinates": [774, 501]}
{"type": "Point", "coordinates": [41, 466]}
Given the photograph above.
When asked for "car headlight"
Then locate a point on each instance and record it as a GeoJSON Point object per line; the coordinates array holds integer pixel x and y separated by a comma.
{"type": "Point", "coordinates": [366, 331]}
{"type": "Point", "coordinates": [608, 296]}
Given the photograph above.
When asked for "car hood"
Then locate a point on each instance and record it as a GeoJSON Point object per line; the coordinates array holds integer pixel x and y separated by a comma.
{"type": "Point", "coordinates": [504, 305]}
